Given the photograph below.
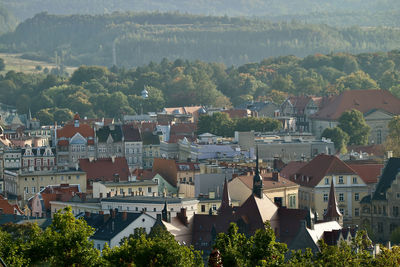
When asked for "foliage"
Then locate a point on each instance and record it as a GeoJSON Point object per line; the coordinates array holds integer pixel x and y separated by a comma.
{"type": "Point", "coordinates": [352, 122]}
{"type": "Point", "coordinates": [219, 123]}
{"type": "Point", "coordinates": [159, 249]}
{"type": "Point", "coordinates": [393, 140]}
{"type": "Point", "coordinates": [338, 137]}
{"type": "Point", "coordinates": [260, 249]}
{"type": "Point", "coordinates": [2, 64]}
{"type": "Point", "coordinates": [395, 236]}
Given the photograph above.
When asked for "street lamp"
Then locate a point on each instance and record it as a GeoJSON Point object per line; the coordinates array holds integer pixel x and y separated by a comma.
{"type": "Point", "coordinates": [145, 95]}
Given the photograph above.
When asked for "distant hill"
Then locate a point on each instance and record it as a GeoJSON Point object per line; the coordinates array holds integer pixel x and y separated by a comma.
{"type": "Point", "coordinates": [134, 39]}
{"type": "Point", "coordinates": [337, 12]}
{"type": "Point", "coordinates": [7, 21]}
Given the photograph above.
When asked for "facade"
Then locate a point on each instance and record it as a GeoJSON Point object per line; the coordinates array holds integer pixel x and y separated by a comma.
{"type": "Point", "coordinates": [380, 210]}
{"type": "Point", "coordinates": [109, 142]}
{"type": "Point", "coordinates": [74, 141]}
{"type": "Point", "coordinates": [315, 179]}
{"type": "Point", "coordinates": [38, 159]}
{"type": "Point", "coordinates": [128, 188]}
{"type": "Point", "coordinates": [133, 146]}
{"type": "Point", "coordinates": [151, 148]}
{"type": "Point", "coordinates": [28, 184]}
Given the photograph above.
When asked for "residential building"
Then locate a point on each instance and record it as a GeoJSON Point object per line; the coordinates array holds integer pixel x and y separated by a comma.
{"type": "Point", "coordinates": [315, 179]}
{"type": "Point", "coordinates": [109, 142]}
{"type": "Point", "coordinates": [378, 107]}
{"type": "Point", "coordinates": [7, 208]}
{"type": "Point", "coordinates": [180, 114]}
{"type": "Point", "coordinates": [105, 169]}
{"type": "Point", "coordinates": [78, 204]}
{"type": "Point", "coordinates": [74, 141]}
{"type": "Point", "coordinates": [126, 188]}
{"type": "Point", "coordinates": [133, 146]}
{"type": "Point", "coordinates": [38, 159]}
{"type": "Point", "coordinates": [260, 108]}
{"type": "Point", "coordinates": [151, 148]}
{"type": "Point", "coordinates": [380, 210]}
{"type": "Point", "coordinates": [112, 228]}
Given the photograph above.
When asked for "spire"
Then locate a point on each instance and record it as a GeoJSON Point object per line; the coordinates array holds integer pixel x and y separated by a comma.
{"type": "Point", "coordinates": [30, 115]}
{"type": "Point", "coordinates": [257, 180]}
{"type": "Point", "coordinates": [226, 199]}
{"type": "Point", "coordinates": [332, 213]}
{"type": "Point", "coordinates": [165, 214]}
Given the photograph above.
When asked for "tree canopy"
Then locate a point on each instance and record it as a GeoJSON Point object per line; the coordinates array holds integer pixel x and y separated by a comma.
{"type": "Point", "coordinates": [353, 123]}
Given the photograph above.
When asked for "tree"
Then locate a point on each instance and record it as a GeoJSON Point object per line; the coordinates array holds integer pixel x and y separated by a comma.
{"type": "Point", "coordinates": [157, 249]}
{"type": "Point", "coordinates": [338, 137]}
{"type": "Point", "coordinates": [218, 123]}
{"type": "Point", "coordinates": [66, 241]}
{"type": "Point", "coordinates": [393, 140]}
{"type": "Point", "coordinates": [356, 80]}
{"type": "Point", "coordinates": [353, 123]}
{"type": "Point", "coordinates": [2, 64]}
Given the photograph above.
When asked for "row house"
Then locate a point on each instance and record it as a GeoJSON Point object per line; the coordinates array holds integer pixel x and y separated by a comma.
{"type": "Point", "coordinates": [38, 159]}
{"type": "Point", "coordinates": [74, 141]}
{"type": "Point", "coordinates": [109, 142]}
{"type": "Point", "coordinates": [133, 146]}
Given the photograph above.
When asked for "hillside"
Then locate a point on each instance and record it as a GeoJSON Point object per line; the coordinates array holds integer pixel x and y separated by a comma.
{"type": "Point", "coordinates": [337, 12]}
{"type": "Point", "coordinates": [139, 38]}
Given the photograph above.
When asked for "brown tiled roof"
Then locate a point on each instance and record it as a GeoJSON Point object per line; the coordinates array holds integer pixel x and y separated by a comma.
{"type": "Point", "coordinates": [69, 130]}
{"type": "Point", "coordinates": [142, 174]}
{"type": "Point", "coordinates": [131, 133]}
{"type": "Point", "coordinates": [362, 100]}
{"type": "Point", "coordinates": [291, 168]}
{"type": "Point", "coordinates": [104, 169]}
{"type": "Point", "coordinates": [183, 128]}
{"type": "Point", "coordinates": [8, 208]}
{"type": "Point", "coordinates": [268, 182]}
{"type": "Point", "coordinates": [63, 142]}
{"type": "Point", "coordinates": [369, 173]}
{"type": "Point", "coordinates": [63, 192]}
{"type": "Point", "coordinates": [237, 113]}
{"type": "Point", "coordinates": [314, 171]}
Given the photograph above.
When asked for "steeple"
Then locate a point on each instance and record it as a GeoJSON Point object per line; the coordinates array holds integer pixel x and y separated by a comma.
{"type": "Point", "coordinates": [257, 180]}
{"type": "Point", "coordinates": [165, 214]}
{"type": "Point", "coordinates": [226, 199]}
{"type": "Point", "coordinates": [332, 213]}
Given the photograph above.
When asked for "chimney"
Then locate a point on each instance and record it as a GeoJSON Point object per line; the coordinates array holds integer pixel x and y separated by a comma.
{"type": "Point", "coordinates": [87, 214]}
{"type": "Point", "coordinates": [124, 215]}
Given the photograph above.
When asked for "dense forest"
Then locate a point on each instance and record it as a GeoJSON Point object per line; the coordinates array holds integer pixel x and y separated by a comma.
{"type": "Point", "coordinates": [135, 39]}
{"type": "Point", "coordinates": [338, 12]}
{"type": "Point", "coordinates": [97, 91]}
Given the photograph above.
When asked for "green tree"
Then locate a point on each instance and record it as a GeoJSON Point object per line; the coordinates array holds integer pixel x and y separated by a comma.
{"type": "Point", "coordinates": [218, 123]}
{"type": "Point", "coordinates": [392, 142]}
{"type": "Point", "coordinates": [338, 137]}
{"type": "Point", "coordinates": [2, 64]}
{"type": "Point", "coordinates": [45, 116]}
{"type": "Point", "coordinates": [353, 123]}
{"type": "Point", "coordinates": [62, 115]}
{"type": "Point", "coordinates": [356, 80]}
{"type": "Point", "coordinates": [87, 73]}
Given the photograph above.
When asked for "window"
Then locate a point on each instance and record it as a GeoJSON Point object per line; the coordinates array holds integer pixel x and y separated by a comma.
{"type": "Point", "coordinates": [380, 227]}
{"type": "Point", "coordinates": [292, 201]}
{"type": "Point", "coordinates": [325, 197]}
{"type": "Point", "coordinates": [214, 206]}
{"type": "Point", "coordinates": [136, 209]}
{"type": "Point", "coordinates": [77, 177]}
{"type": "Point", "coordinates": [62, 178]}
{"type": "Point", "coordinates": [98, 246]}
{"type": "Point", "coordinates": [356, 212]}
{"type": "Point", "coordinates": [33, 179]}
{"type": "Point", "coordinates": [26, 189]}
{"type": "Point", "coordinates": [341, 211]}
{"type": "Point", "coordinates": [154, 209]}
{"type": "Point", "coordinates": [140, 189]}
{"type": "Point", "coordinates": [355, 180]}
{"type": "Point", "coordinates": [340, 180]}
{"type": "Point", "coordinates": [129, 191]}
{"type": "Point", "coordinates": [395, 211]}
{"type": "Point", "coordinates": [356, 196]}
{"type": "Point", "coordinates": [203, 208]}
{"type": "Point", "coordinates": [69, 177]}
{"type": "Point", "coordinates": [341, 197]}
{"type": "Point", "coordinates": [121, 191]}
{"type": "Point", "coordinates": [326, 180]}
{"type": "Point", "coordinates": [149, 189]}
{"type": "Point", "coordinates": [33, 190]}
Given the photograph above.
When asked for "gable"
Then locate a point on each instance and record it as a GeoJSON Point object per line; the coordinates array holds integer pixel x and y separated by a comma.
{"type": "Point", "coordinates": [78, 139]}
{"type": "Point", "coordinates": [378, 114]}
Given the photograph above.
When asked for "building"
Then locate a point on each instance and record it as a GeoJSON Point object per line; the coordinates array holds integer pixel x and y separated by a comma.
{"type": "Point", "coordinates": [260, 108]}
{"type": "Point", "coordinates": [151, 148]}
{"type": "Point", "coordinates": [105, 169]}
{"type": "Point", "coordinates": [28, 184]}
{"type": "Point", "coordinates": [78, 205]}
{"type": "Point", "coordinates": [109, 141]}
{"type": "Point", "coordinates": [180, 114]}
{"type": "Point", "coordinates": [315, 179]}
{"type": "Point", "coordinates": [38, 159]}
{"type": "Point", "coordinates": [7, 208]}
{"type": "Point", "coordinates": [133, 146]}
{"type": "Point", "coordinates": [378, 107]}
{"type": "Point", "coordinates": [126, 188]}
{"type": "Point", "coordinates": [112, 228]}
{"type": "Point", "coordinates": [74, 141]}
{"type": "Point", "coordinates": [380, 210]}
{"type": "Point", "coordinates": [281, 191]}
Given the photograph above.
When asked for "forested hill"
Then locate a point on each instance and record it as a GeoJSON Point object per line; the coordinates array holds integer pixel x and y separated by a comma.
{"type": "Point", "coordinates": [334, 12]}
{"type": "Point", "coordinates": [96, 91]}
{"type": "Point", "coordinates": [139, 38]}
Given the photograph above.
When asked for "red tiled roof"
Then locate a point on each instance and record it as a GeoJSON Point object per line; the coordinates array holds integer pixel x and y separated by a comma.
{"type": "Point", "coordinates": [175, 138]}
{"type": "Point", "coordinates": [183, 128]}
{"type": "Point", "coordinates": [291, 168]}
{"type": "Point", "coordinates": [104, 169]}
{"type": "Point", "coordinates": [63, 142]}
{"type": "Point", "coordinates": [314, 171]}
{"type": "Point", "coordinates": [142, 174]}
{"type": "Point", "coordinates": [369, 173]}
{"type": "Point", "coordinates": [268, 182]}
{"type": "Point", "coordinates": [69, 130]}
{"type": "Point", "coordinates": [8, 208]}
{"type": "Point", "coordinates": [376, 150]}
{"type": "Point", "coordinates": [362, 100]}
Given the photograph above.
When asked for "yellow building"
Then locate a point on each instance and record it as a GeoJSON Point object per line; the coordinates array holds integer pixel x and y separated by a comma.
{"type": "Point", "coordinates": [280, 190]}
{"type": "Point", "coordinates": [125, 188]}
{"type": "Point", "coordinates": [211, 202]}
{"type": "Point", "coordinates": [28, 184]}
{"type": "Point", "coordinates": [315, 180]}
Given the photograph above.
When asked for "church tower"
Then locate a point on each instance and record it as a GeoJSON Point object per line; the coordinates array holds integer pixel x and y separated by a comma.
{"type": "Point", "coordinates": [332, 213]}
{"type": "Point", "coordinates": [257, 180]}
